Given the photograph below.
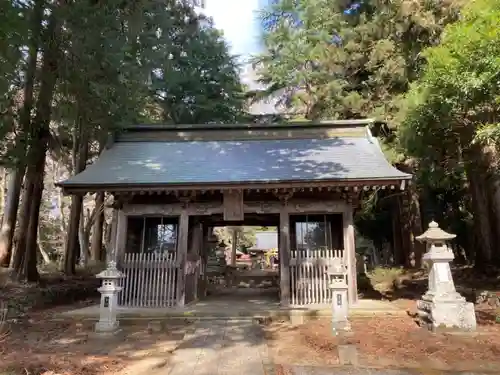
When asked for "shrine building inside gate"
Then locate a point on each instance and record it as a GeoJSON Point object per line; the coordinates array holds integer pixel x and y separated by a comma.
{"type": "Point", "coordinates": [172, 184]}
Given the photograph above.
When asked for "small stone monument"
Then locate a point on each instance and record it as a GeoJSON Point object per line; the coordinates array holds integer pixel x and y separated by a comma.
{"type": "Point", "coordinates": [442, 307]}
{"type": "Point", "coordinates": [109, 290]}
{"type": "Point", "coordinates": [337, 277]}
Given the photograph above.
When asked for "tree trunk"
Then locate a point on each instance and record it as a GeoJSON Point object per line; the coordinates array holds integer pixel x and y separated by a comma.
{"type": "Point", "coordinates": [481, 210]}
{"type": "Point", "coordinates": [411, 220]}
{"type": "Point", "coordinates": [30, 261]}
{"type": "Point", "coordinates": [418, 248]}
{"type": "Point", "coordinates": [72, 244]}
{"type": "Point", "coordinates": [3, 183]}
{"type": "Point", "coordinates": [97, 230]}
{"type": "Point", "coordinates": [40, 136]}
{"type": "Point", "coordinates": [492, 161]}
{"type": "Point", "coordinates": [399, 257]}
{"type": "Point", "coordinates": [60, 203]}
{"type": "Point", "coordinates": [16, 177]}
{"type": "Point", "coordinates": [22, 229]}
{"type": "Point", "coordinates": [43, 253]}
{"type": "Point", "coordinates": [10, 216]}
{"type": "Point", "coordinates": [83, 240]}
{"type": "Point", "coordinates": [98, 224]}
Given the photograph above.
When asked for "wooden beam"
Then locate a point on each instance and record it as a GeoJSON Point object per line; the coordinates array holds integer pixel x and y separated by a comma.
{"type": "Point", "coordinates": [182, 249]}
{"type": "Point", "coordinates": [284, 256]}
{"type": "Point", "coordinates": [350, 249]}
{"type": "Point", "coordinates": [213, 208]}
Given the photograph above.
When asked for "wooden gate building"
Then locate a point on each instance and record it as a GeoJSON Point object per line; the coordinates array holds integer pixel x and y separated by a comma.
{"type": "Point", "coordinates": [171, 184]}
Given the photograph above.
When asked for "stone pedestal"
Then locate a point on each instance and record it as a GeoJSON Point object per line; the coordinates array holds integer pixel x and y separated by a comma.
{"type": "Point", "coordinates": [337, 275]}
{"type": "Point", "coordinates": [108, 324]}
{"type": "Point", "coordinates": [442, 307]}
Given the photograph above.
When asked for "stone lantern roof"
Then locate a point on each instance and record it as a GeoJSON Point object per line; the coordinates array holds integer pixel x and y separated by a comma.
{"type": "Point", "coordinates": [434, 233]}
{"type": "Point", "coordinates": [111, 272]}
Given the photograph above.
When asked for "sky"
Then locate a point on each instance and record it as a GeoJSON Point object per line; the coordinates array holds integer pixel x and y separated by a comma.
{"type": "Point", "coordinates": [238, 20]}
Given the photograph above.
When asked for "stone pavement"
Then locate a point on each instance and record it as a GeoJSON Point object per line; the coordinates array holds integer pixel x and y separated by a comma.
{"type": "Point", "coordinates": [221, 347]}
{"type": "Point", "coordinates": [238, 347]}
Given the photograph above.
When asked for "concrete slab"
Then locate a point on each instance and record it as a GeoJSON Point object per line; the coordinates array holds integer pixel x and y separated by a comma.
{"type": "Point", "coordinates": [220, 347]}
{"type": "Point", "coordinates": [227, 308]}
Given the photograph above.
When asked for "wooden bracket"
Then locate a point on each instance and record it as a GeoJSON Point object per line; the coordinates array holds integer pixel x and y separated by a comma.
{"type": "Point", "coordinates": [233, 205]}
{"type": "Point", "coordinates": [284, 196]}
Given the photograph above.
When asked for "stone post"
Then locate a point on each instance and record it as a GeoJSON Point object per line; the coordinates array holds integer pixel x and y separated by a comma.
{"type": "Point", "coordinates": [337, 277]}
{"type": "Point", "coordinates": [109, 299]}
{"type": "Point", "coordinates": [442, 307]}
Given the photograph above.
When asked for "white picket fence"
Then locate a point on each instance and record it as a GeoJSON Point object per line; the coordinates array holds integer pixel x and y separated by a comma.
{"type": "Point", "coordinates": [308, 278]}
{"type": "Point", "coordinates": [150, 280]}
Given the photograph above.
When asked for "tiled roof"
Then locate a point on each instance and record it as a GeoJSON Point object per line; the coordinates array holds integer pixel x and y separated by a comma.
{"type": "Point", "coordinates": [173, 162]}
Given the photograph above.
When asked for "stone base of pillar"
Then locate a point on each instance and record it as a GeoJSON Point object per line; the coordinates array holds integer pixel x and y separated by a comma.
{"type": "Point", "coordinates": [106, 328]}
{"type": "Point", "coordinates": [340, 326]}
{"type": "Point", "coordinates": [448, 312]}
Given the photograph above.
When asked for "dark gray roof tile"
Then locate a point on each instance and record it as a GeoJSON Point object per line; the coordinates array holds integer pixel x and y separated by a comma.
{"type": "Point", "coordinates": [255, 161]}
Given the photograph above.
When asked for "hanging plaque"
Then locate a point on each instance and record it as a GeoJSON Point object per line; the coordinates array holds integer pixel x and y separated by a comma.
{"type": "Point", "coordinates": [233, 205]}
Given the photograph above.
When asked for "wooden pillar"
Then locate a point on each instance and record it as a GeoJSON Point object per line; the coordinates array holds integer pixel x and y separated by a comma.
{"type": "Point", "coordinates": [350, 249]}
{"type": "Point", "coordinates": [284, 256]}
{"type": "Point", "coordinates": [118, 238]}
{"type": "Point", "coordinates": [197, 249]}
{"type": "Point", "coordinates": [202, 292]}
{"type": "Point", "coordinates": [182, 249]}
{"type": "Point", "coordinates": [110, 253]}
{"type": "Point", "coordinates": [234, 245]}
{"type": "Point", "coordinates": [121, 236]}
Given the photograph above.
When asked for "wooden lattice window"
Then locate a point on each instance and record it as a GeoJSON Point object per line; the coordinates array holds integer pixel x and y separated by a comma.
{"type": "Point", "coordinates": [152, 235]}
{"type": "Point", "coordinates": [316, 232]}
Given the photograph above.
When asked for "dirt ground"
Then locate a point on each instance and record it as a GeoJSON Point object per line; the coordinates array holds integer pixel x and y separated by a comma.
{"type": "Point", "coordinates": [390, 342]}
{"type": "Point", "coordinates": [37, 346]}
{"type": "Point", "coordinates": [399, 341]}
{"type": "Point", "coordinates": [31, 344]}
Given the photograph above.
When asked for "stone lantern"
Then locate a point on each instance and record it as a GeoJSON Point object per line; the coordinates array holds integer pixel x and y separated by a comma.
{"type": "Point", "coordinates": [221, 253]}
{"type": "Point", "coordinates": [337, 277]}
{"type": "Point", "coordinates": [212, 239]}
{"type": "Point", "coordinates": [109, 299]}
{"type": "Point", "coordinates": [442, 306]}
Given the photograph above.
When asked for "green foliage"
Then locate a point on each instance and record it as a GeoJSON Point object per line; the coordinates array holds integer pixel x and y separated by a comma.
{"type": "Point", "coordinates": [119, 64]}
{"type": "Point", "coordinates": [449, 116]}
{"type": "Point", "coordinates": [334, 60]}
{"type": "Point", "coordinates": [457, 99]}
{"type": "Point", "coordinates": [13, 37]}
{"type": "Point", "coordinates": [195, 80]}
{"type": "Point", "coordinates": [245, 236]}
{"type": "Point", "coordinates": [383, 275]}
{"type": "Point", "coordinates": [328, 59]}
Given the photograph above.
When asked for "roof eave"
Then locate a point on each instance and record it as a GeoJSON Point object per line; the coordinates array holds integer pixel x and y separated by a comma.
{"type": "Point", "coordinates": [70, 188]}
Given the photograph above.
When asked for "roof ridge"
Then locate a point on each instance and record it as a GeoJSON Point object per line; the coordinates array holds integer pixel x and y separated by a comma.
{"type": "Point", "coordinates": [240, 126]}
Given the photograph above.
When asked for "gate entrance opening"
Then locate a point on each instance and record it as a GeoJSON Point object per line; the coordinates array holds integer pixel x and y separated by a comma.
{"type": "Point", "coordinates": [173, 184]}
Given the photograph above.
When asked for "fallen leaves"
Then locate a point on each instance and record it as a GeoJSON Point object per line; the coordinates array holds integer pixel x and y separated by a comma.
{"type": "Point", "coordinates": [388, 342]}
{"type": "Point", "coordinates": [38, 346]}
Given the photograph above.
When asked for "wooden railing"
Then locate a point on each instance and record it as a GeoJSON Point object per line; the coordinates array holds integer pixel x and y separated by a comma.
{"type": "Point", "coordinates": [150, 280]}
{"type": "Point", "coordinates": [308, 278]}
